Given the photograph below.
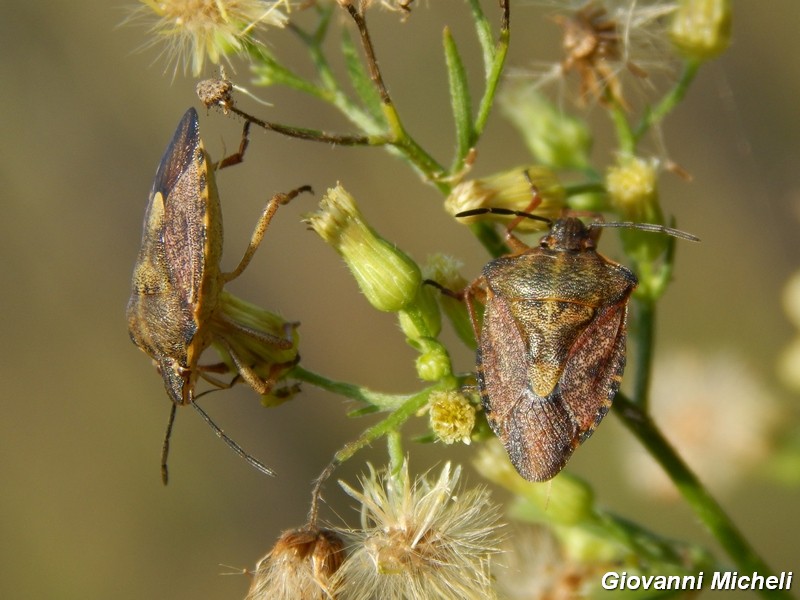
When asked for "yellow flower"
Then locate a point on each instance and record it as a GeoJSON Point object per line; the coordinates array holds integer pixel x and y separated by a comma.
{"type": "Point", "coordinates": [452, 417]}
{"type": "Point", "coordinates": [193, 30]}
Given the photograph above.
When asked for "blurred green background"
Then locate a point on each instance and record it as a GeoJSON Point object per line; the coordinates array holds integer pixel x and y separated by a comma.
{"type": "Point", "coordinates": [84, 121]}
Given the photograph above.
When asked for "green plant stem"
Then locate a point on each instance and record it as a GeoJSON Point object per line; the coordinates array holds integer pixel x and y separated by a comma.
{"type": "Point", "coordinates": [491, 240]}
{"type": "Point", "coordinates": [625, 137]}
{"type": "Point", "coordinates": [669, 101]}
{"type": "Point", "coordinates": [394, 442]}
{"type": "Point", "coordinates": [390, 423]}
{"type": "Point", "coordinates": [494, 67]}
{"type": "Point", "coordinates": [644, 333]}
{"type": "Point", "coordinates": [591, 187]}
{"type": "Point", "coordinates": [313, 135]}
{"type": "Point", "coordinates": [380, 400]}
{"type": "Point", "coordinates": [703, 504]}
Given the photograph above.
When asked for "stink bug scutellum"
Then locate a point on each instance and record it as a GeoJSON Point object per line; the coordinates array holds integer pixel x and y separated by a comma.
{"type": "Point", "coordinates": [551, 349]}
{"type": "Point", "coordinates": [175, 309]}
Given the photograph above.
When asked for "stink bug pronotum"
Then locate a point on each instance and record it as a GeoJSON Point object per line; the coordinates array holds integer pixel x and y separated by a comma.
{"type": "Point", "coordinates": [177, 304]}
{"type": "Point", "coordinates": [551, 349]}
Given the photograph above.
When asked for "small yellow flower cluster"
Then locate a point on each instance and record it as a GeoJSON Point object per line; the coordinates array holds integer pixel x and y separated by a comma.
{"type": "Point", "coordinates": [194, 30]}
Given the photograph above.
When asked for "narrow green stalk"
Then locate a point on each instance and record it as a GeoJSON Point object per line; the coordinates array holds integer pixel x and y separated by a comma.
{"type": "Point", "coordinates": [396, 456]}
{"type": "Point", "coordinates": [669, 101]}
{"type": "Point", "coordinates": [590, 187]}
{"type": "Point", "coordinates": [313, 135]}
{"type": "Point", "coordinates": [643, 331]}
{"type": "Point", "coordinates": [491, 240]}
{"type": "Point", "coordinates": [383, 401]}
{"type": "Point", "coordinates": [492, 83]}
{"type": "Point", "coordinates": [625, 137]}
{"type": "Point", "coordinates": [332, 91]}
{"type": "Point", "coordinates": [703, 504]}
{"type": "Point", "coordinates": [390, 423]}
{"type": "Point", "coordinates": [484, 30]}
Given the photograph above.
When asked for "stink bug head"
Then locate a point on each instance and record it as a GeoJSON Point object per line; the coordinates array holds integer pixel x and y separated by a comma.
{"type": "Point", "coordinates": [570, 234]}
{"type": "Point", "coordinates": [176, 279]}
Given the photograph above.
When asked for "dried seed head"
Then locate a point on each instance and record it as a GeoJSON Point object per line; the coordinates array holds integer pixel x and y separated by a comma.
{"type": "Point", "coordinates": [216, 92]}
{"type": "Point", "coordinates": [387, 276]}
{"type": "Point", "coordinates": [194, 30]}
{"type": "Point", "coordinates": [701, 29]}
{"type": "Point", "coordinates": [592, 45]}
{"type": "Point", "coordinates": [452, 417]}
{"type": "Point", "coordinates": [602, 41]}
{"type": "Point", "coordinates": [510, 189]}
{"type": "Point", "coordinates": [420, 540]}
{"type": "Point", "coordinates": [300, 565]}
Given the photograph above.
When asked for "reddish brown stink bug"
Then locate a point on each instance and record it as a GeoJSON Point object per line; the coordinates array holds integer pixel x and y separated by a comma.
{"type": "Point", "coordinates": [177, 307]}
{"type": "Point", "coordinates": [551, 349]}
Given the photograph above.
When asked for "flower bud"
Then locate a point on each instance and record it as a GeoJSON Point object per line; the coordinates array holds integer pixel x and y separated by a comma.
{"type": "Point", "coordinates": [433, 363]}
{"type": "Point", "coordinates": [262, 340]}
{"type": "Point", "coordinates": [632, 186]}
{"type": "Point", "coordinates": [452, 417]}
{"type": "Point", "coordinates": [421, 319]}
{"type": "Point", "coordinates": [444, 270]}
{"type": "Point", "coordinates": [388, 277]}
{"type": "Point", "coordinates": [553, 137]}
{"type": "Point", "coordinates": [510, 189]}
{"type": "Point", "coordinates": [701, 29]}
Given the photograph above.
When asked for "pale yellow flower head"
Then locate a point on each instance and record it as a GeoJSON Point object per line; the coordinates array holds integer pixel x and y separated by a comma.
{"type": "Point", "coordinates": [195, 30]}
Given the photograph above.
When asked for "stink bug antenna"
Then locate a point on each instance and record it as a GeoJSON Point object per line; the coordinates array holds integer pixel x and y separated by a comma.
{"type": "Point", "coordinates": [165, 445]}
{"type": "Point", "coordinates": [231, 444]}
{"type": "Point", "coordinates": [221, 434]}
{"type": "Point", "coordinates": [503, 211]}
{"type": "Point", "coordinates": [649, 227]}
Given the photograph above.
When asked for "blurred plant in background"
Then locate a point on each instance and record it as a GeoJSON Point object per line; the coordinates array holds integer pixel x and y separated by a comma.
{"type": "Point", "coordinates": [419, 537]}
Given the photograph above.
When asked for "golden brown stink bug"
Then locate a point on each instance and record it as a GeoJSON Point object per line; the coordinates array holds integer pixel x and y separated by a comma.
{"type": "Point", "coordinates": [551, 349]}
{"type": "Point", "coordinates": [178, 307]}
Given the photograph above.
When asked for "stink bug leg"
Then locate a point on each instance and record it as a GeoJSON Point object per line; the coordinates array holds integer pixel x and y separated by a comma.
{"type": "Point", "coordinates": [261, 227]}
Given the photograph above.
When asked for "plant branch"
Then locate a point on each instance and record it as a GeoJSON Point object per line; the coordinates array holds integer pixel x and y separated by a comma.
{"type": "Point", "coordinates": [703, 504]}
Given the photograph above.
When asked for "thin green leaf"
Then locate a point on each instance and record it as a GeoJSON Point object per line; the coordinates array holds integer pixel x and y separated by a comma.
{"type": "Point", "coordinates": [361, 412]}
{"type": "Point", "coordinates": [360, 80]}
{"type": "Point", "coordinates": [459, 97]}
{"type": "Point", "coordinates": [484, 30]}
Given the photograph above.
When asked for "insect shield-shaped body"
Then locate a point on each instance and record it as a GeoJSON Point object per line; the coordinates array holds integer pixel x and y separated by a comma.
{"type": "Point", "coordinates": [552, 346]}
{"type": "Point", "coordinates": [178, 307]}
{"type": "Point", "coordinates": [177, 279]}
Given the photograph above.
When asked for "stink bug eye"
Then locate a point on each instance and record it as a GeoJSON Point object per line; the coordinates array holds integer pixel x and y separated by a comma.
{"type": "Point", "coordinates": [551, 350]}
{"type": "Point", "coordinates": [178, 307]}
